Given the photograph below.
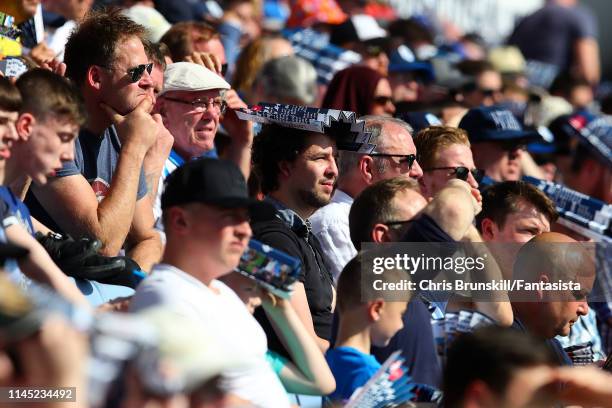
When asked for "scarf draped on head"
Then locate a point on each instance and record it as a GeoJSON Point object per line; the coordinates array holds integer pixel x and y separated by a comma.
{"type": "Point", "coordinates": [352, 89]}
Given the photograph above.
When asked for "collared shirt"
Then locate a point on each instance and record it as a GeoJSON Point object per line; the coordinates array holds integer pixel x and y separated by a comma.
{"type": "Point", "coordinates": [330, 224]}
{"type": "Point", "coordinates": [290, 217]}
{"type": "Point", "coordinates": [583, 331]}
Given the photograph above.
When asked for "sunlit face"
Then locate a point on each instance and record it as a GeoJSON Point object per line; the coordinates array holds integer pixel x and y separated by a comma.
{"type": "Point", "coordinates": [520, 227]}
{"type": "Point", "coordinates": [158, 79]}
{"type": "Point", "coordinates": [312, 175]}
{"type": "Point", "coordinates": [498, 163]}
{"type": "Point", "coordinates": [450, 156]}
{"type": "Point", "coordinates": [222, 233]}
{"type": "Point", "coordinates": [8, 133]}
{"type": "Point", "coordinates": [406, 205]}
{"type": "Point", "coordinates": [390, 322]}
{"type": "Point", "coordinates": [487, 92]}
{"type": "Point", "coordinates": [193, 128]}
{"type": "Point", "coordinates": [213, 46]}
{"type": "Point", "coordinates": [117, 89]}
{"type": "Point", "coordinates": [396, 140]}
{"type": "Point", "coordinates": [50, 143]}
{"type": "Point", "coordinates": [383, 99]}
{"type": "Point", "coordinates": [405, 85]}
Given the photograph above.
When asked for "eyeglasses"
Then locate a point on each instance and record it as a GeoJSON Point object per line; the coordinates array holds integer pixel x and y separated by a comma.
{"type": "Point", "coordinates": [488, 93]}
{"type": "Point", "coordinates": [382, 100]}
{"type": "Point", "coordinates": [218, 104]}
{"type": "Point", "coordinates": [138, 71]}
{"type": "Point", "coordinates": [461, 172]}
{"type": "Point", "coordinates": [393, 223]}
{"type": "Point", "coordinates": [408, 159]}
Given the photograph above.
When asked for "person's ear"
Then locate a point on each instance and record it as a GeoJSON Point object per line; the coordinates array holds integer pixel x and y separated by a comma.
{"type": "Point", "coordinates": [374, 309]}
{"type": "Point", "coordinates": [178, 220]}
{"type": "Point", "coordinates": [25, 125]}
{"type": "Point", "coordinates": [489, 229]}
{"type": "Point", "coordinates": [94, 77]}
{"type": "Point", "coordinates": [366, 169]}
{"type": "Point", "coordinates": [380, 233]}
{"type": "Point", "coordinates": [544, 278]}
{"type": "Point", "coordinates": [477, 394]}
{"type": "Point", "coordinates": [284, 168]}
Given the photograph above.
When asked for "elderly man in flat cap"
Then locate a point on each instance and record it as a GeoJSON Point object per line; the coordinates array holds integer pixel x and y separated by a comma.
{"type": "Point", "coordinates": [193, 103]}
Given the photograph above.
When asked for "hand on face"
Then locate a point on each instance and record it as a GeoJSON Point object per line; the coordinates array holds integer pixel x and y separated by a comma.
{"type": "Point", "coordinates": [239, 130]}
{"type": "Point", "coordinates": [138, 127]}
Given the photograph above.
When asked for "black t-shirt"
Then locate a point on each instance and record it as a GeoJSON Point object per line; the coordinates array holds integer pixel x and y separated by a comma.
{"type": "Point", "coordinates": [315, 276]}
{"type": "Point", "coordinates": [424, 229]}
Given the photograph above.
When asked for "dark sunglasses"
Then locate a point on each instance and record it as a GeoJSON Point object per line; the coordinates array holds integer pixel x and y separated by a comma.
{"type": "Point", "coordinates": [224, 69]}
{"type": "Point", "coordinates": [489, 93]}
{"type": "Point", "coordinates": [382, 100]}
{"type": "Point", "coordinates": [393, 223]}
{"type": "Point", "coordinates": [405, 158]}
{"type": "Point", "coordinates": [462, 173]}
{"type": "Point", "coordinates": [511, 145]}
{"type": "Point", "coordinates": [138, 71]}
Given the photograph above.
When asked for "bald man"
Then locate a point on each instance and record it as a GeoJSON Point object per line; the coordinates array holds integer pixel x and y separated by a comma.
{"type": "Point", "coordinates": [547, 259]}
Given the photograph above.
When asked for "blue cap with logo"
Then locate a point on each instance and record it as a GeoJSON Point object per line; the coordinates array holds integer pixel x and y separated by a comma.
{"type": "Point", "coordinates": [596, 136]}
{"type": "Point", "coordinates": [420, 120]}
{"type": "Point", "coordinates": [495, 124]}
{"type": "Point", "coordinates": [404, 60]}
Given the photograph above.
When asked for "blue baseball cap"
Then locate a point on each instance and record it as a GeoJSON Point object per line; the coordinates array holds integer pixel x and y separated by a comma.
{"type": "Point", "coordinates": [420, 120]}
{"type": "Point", "coordinates": [596, 136]}
{"type": "Point", "coordinates": [403, 60]}
{"type": "Point", "coordinates": [495, 124]}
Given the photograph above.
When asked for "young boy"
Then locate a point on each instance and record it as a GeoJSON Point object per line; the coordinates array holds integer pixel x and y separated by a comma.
{"type": "Point", "coordinates": [365, 319]}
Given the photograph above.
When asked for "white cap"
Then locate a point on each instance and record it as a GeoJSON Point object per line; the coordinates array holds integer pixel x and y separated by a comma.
{"type": "Point", "coordinates": [151, 19]}
{"type": "Point", "coordinates": [367, 28]}
{"type": "Point", "coordinates": [187, 76]}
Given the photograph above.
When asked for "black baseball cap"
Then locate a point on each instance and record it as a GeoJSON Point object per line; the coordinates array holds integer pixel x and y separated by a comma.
{"type": "Point", "coordinates": [210, 181]}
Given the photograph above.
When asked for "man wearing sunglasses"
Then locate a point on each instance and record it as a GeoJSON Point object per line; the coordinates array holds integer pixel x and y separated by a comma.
{"type": "Point", "coordinates": [497, 140]}
{"type": "Point", "coordinates": [103, 192]}
{"type": "Point", "coordinates": [444, 154]}
{"type": "Point", "coordinates": [394, 156]}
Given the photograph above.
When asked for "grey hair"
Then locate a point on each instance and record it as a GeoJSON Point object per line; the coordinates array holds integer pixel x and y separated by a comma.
{"type": "Point", "coordinates": [374, 124]}
{"type": "Point", "coordinates": [289, 77]}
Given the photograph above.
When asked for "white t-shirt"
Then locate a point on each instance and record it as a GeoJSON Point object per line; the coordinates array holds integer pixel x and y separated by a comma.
{"type": "Point", "coordinates": [227, 317]}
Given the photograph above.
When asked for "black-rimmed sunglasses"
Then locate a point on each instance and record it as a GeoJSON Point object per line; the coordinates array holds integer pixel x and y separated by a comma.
{"type": "Point", "coordinates": [138, 71]}
{"type": "Point", "coordinates": [394, 223]}
{"type": "Point", "coordinates": [405, 158]}
{"type": "Point", "coordinates": [462, 173]}
{"type": "Point", "coordinates": [382, 100]}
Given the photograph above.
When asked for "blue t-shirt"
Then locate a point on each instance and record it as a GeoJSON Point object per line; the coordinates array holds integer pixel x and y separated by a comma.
{"type": "Point", "coordinates": [95, 157]}
{"type": "Point", "coordinates": [351, 369]}
{"type": "Point", "coordinates": [17, 208]}
{"type": "Point", "coordinates": [416, 342]}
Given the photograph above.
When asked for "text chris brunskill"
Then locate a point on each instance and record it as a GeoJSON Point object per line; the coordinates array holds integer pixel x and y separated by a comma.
{"type": "Point", "coordinates": [507, 285]}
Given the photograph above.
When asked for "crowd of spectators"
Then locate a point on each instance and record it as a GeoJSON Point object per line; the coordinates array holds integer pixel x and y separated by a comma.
{"type": "Point", "coordinates": [134, 175]}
